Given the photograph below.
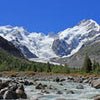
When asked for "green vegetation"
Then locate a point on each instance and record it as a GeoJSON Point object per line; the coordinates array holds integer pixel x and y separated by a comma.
{"type": "Point", "coordinates": [11, 63]}
{"type": "Point", "coordinates": [87, 65]}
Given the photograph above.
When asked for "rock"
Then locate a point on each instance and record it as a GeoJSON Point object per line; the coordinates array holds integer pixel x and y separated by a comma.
{"type": "Point", "coordinates": [44, 91]}
{"type": "Point", "coordinates": [24, 96]}
{"type": "Point", "coordinates": [0, 81]}
{"type": "Point", "coordinates": [70, 78]}
{"type": "Point", "coordinates": [85, 81]}
{"type": "Point", "coordinates": [65, 89]}
{"type": "Point", "coordinates": [39, 86]}
{"type": "Point", "coordinates": [51, 87]}
{"type": "Point", "coordinates": [1, 96]}
{"type": "Point", "coordinates": [57, 79]}
{"type": "Point", "coordinates": [31, 83]}
{"type": "Point", "coordinates": [21, 94]}
{"type": "Point", "coordinates": [59, 92]}
{"type": "Point", "coordinates": [61, 84]}
{"type": "Point", "coordinates": [2, 91]}
{"type": "Point", "coordinates": [80, 87]}
{"type": "Point", "coordinates": [97, 97]}
{"type": "Point", "coordinates": [4, 84]}
{"type": "Point", "coordinates": [35, 99]}
{"type": "Point", "coordinates": [28, 83]}
{"type": "Point", "coordinates": [21, 81]}
{"type": "Point", "coordinates": [14, 87]}
{"type": "Point", "coordinates": [44, 85]}
{"type": "Point", "coordinates": [61, 99]}
{"type": "Point", "coordinates": [10, 95]}
{"type": "Point", "coordinates": [62, 80]}
{"type": "Point", "coordinates": [70, 92]}
{"type": "Point", "coordinates": [19, 91]}
{"type": "Point", "coordinates": [13, 75]}
{"type": "Point", "coordinates": [21, 87]}
{"type": "Point", "coordinates": [78, 80]}
{"type": "Point", "coordinates": [96, 84]}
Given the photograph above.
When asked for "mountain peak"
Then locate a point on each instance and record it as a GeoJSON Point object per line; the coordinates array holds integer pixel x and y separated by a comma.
{"type": "Point", "coordinates": [85, 22]}
{"type": "Point", "coordinates": [8, 26]}
{"type": "Point", "coordinates": [65, 43]}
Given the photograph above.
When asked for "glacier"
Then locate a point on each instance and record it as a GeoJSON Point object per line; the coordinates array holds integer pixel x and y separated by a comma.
{"type": "Point", "coordinates": [64, 44]}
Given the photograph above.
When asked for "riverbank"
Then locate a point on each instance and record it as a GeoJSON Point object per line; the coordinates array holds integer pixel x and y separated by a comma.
{"type": "Point", "coordinates": [48, 86]}
{"type": "Point", "coordinates": [31, 73]}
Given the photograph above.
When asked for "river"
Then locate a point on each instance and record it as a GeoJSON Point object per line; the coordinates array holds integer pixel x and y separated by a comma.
{"type": "Point", "coordinates": [79, 94]}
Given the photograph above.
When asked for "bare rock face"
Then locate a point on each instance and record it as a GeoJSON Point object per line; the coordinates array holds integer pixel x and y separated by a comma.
{"type": "Point", "coordinates": [72, 39]}
{"type": "Point", "coordinates": [10, 48]}
{"type": "Point", "coordinates": [59, 47]}
{"type": "Point", "coordinates": [96, 84]}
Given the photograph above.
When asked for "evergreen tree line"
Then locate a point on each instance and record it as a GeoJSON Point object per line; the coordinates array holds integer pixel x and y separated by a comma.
{"type": "Point", "coordinates": [90, 67]}
{"type": "Point", "coordinates": [11, 63]}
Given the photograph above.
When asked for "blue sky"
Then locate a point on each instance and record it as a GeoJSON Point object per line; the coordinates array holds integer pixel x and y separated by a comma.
{"type": "Point", "coordinates": [48, 15]}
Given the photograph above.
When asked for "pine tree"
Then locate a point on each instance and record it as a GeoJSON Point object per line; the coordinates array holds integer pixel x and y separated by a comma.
{"type": "Point", "coordinates": [35, 68]}
{"type": "Point", "coordinates": [94, 65]}
{"type": "Point", "coordinates": [48, 67]}
{"type": "Point", "coordinates": [87, 65]}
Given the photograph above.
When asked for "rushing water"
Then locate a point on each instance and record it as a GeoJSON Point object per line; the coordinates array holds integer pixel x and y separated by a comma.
{"type": "Point", "coordinates": [79, 94]}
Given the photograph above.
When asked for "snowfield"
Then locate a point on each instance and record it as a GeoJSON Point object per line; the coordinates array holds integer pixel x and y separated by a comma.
{"type": "Point", "coordinates": [41, 45]}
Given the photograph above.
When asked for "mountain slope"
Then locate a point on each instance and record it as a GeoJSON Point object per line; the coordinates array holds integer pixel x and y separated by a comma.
{"type": "Point", "coordinates": [69, 41]}
{"type": "Point", "coordinates": [10, 48]}
{"type": "Point", "coordinates": [32, 45]}
{"type": "Point", "coordinates": [9, 62]}
{"type": "Point", "coordinates": [65, 44]}
{"type": "Point", "coordinates": [76, 60]}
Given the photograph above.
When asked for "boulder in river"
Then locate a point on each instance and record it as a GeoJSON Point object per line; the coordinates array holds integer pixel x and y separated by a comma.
{"type": "Point", "coordinates": [70, 92]}
{"type": "Point", "coordinates": [57, 79]}
{"type": "Point", "coordinates": [96, 84]}
{"type": "Point", "coordinates": [59, 92]}
{"type": "Point", "coordinates": [44, 91]}
{"type": "Point", "coordinates": [28, 83]}
{"type": "Point", "coordinates": [97, 97]}
{"type": "Point", "coordinates": [39, 86]}
{"type": "Point", "coordinates": [79, 86]}
{"type": "Point", "coordinates": [61, 99]}
{"type": "Point", "coordinates": [51, 87]}
{"type": "Point", "coordinates": [2, 91]}
{"type": "Point", "coordinates": [10, 95]}
{"type": "Point", "coordinates": [86, 81]}
{"type": "Point", "coordinates": [21, 93]}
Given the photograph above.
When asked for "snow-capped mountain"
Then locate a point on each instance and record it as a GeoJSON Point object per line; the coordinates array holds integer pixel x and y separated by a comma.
{"type": "Point", "coordinates": [69, 41]}
{"type": "Point", "coordinates": [65, 43]}
{"type": "Point", "coordinates": [32, 45]}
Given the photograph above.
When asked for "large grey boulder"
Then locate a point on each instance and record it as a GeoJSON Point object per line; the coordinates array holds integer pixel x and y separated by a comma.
{"type": "Point", "coordinates": [10, 95]}
{"type": "Point", "coordinates": [96, 83]}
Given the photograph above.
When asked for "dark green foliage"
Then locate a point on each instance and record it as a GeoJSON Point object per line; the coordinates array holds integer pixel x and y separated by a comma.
{"type": "Point", "coordinates": [94, 65]}
{"type": "Point", "coordinates": [87, 65]}
{"type": "Point", "coordinates": [96, 68]}
{"type": "Point", "coordinates": [48, 67]}
{"type": "Point", "coordinates": [8, 63]}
